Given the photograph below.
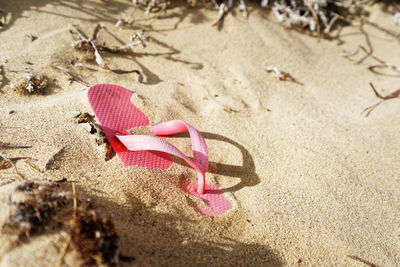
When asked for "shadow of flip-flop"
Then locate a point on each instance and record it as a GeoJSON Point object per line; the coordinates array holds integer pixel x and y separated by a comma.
{"type": "Point", "coordinates": [246, 172]}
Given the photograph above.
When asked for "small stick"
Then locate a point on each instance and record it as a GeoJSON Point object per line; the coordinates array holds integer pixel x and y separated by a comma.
{"type": "Point", "coordinates": [74, 200]}
{"type": "Point", "coordinates": [72, 77]}
{"type": "Point", "coordinates": [384, 64]}
{"type": "Point", "coordinates": [363, 261]}
{"type": "Point", "coordinates": [223, 11]}
{"type": "Point", "coordinates": [281, 75]}
{"type": "Point", "coordinates": [96, 33]}
{"type": "Point", "coordinates": [64, 251]}
{"type": "Point", "coordinates": [81, 35]}
{"type": "Point", "coordinates": [8, 146]}
{"type": "Point", "coordinates": [315, 16]}
{"type": "Point", "coordinates": [394, 94]}
{"type": "Point", "coordinates": [66, 245]}
{"type": "Point", "coordinates": [243, 7]}
{"type": "Point", "coordinates": [12, 164]}
{"type": "Point", "coordinates": [367, 39]}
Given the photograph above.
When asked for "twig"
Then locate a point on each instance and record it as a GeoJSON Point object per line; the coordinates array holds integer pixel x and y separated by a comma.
{"type": "Point", "coordinates": [243, 7]}
{"type": "Point", "coordinates": [67, 242]}
{"type": "Point", "coordinates": [369, 109]}
{"type": "Point", "coordinates": [12, 164]}
{"type": "Point", "coordinates": [281, 75]}
{"type": "Point", "coordinates": [64, 251]}
{"type": "Point", "coordinates": [8, 146]}
{"type": "Point", "coordinates": [98, 58]}
{"type": "Point", "coordinates": [383, 64]}
{"type": "Point", "coordinates": [315, 16]}
{"type": "Point", "coordinates": [74, 198]}
{"type": "Point", "coordinates": [72, 76]}
{"type": "Point", "coordinates": [223, 11]}
{"type": "Point", "coordinates": [363, 261]}
{"type": "Point", "coordinates": [371, 49]}
{"type": "Point", "coordinates": [102, 64]}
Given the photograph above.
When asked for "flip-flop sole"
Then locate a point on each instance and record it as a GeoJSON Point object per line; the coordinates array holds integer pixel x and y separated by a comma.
{"type": "Point", "coordinates": [113, 108]}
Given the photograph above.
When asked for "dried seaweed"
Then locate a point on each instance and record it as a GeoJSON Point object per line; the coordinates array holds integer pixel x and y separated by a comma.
{"type": "Point", "coordinates": [32, 84]}
{"type": "Point", "coordinates": [109, 151]}
{"type": "Point", "coordinates": [96, 130]}
{"type": "Point", "coordinates": [393, 95]}
{"type": "Point", "coordinates": [94, 127]}
{"type": "Point", "coordinates": [47, 207]}
{"type": "Point", "coordinates": [92, 51]}
{"type": "Point", "coordinates": [84, 118]}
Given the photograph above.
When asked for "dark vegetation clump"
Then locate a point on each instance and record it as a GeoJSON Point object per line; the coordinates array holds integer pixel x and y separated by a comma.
{"type": "Point", "coordinates": [93, 237]}
{"type": "Point", "coordinates": [47, 208]}
{"type": "Point", "coordinates": [39, 211]}
{"type": "Point", "coordinates": [32, 84]}
{"type": "Point", "coordinates": [317, 16]}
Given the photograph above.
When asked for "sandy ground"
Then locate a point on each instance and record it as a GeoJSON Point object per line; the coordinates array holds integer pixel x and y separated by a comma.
{"type": "Point", "coordinates": [311, 180]}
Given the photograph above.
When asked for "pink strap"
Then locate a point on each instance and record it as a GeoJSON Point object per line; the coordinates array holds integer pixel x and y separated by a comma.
{"type": "Point", "coordinates": [200, 154]}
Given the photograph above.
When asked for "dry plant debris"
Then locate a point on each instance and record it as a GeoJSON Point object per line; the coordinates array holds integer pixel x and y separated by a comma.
{"type": "Point", "coordinates": [97, 131]}
{"type": "Point", "coordinates": [94, 127]}
{"type": "Point", "coordinates": [396, 18]}
{"type": "Point", "coordinates": [154, 6]}
{"type": "Point", "coordinates": [37, 212]}
{"type": "Point", "coordinates": [9, 162]}
{"type": "Point", "coordinates": [92, 49]}
{"type": "Point", "coordinates": [281, 75]}
{"type": "Point", "coordinates": [393, 95]}
{"type": "Point", "coordinates": [382, 63]}
{"type": "Point", "coordinates": [72, 77]}
{"type": "Point", "coordinates": [31, 37]}
{"type": "Point", "coordinates": [93, 237]}
{"type": "Point", "coordinates": [46, 207]}
{"type": "Point", "coordinates": [32, 84]}
{"type": "Point", "coordinates": [9, 146]}
{"type": "Point", "coordinates": [363, 261]}
{"type": "Point", "coordinates": [2, 15]}
{"type": "Point", "coordinates": [5, 161]}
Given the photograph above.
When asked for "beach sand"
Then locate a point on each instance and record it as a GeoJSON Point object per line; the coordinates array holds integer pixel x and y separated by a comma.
{"type": "Point", "coordinates": [311, 180]}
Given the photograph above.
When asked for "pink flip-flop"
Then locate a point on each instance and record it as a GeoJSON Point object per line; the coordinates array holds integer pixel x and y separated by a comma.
{"type": "Point", "coordinates": [116, 114]}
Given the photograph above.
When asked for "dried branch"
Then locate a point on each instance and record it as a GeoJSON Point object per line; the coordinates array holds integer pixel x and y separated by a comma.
{"type": "Point", "coordinates": [84, 43]}
{"type": "Point", "coordinates": [369, 109]}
